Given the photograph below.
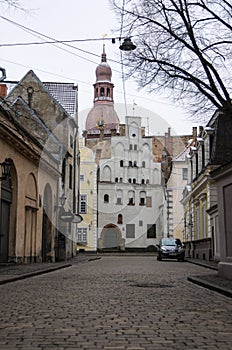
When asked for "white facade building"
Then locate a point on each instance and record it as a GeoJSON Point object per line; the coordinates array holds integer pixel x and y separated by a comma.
{"type": "Point", "coordinates": [131, 197]}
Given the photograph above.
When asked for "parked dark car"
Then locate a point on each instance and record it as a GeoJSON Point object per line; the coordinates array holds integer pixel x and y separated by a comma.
{"type": "Point", "coordinates": [170, 248]}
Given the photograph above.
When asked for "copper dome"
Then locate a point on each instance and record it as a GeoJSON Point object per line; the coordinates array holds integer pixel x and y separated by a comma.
{"type": "Point", "coordinates": [99, 112]}
{"type": "Point", "coordinates": [103, 72]}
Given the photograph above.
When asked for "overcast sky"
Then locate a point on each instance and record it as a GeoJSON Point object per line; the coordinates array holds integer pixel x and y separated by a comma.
{"type": "Point", "coordinates": [76, 20]}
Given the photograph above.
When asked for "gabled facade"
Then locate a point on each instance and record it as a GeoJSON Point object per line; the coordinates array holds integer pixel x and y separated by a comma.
{"type": "Point", "coordinates": [28, 233]}
{"type": "Point", "coordinates": [131, 199]}
{"type": "Point", "coordinates": [39, 114]}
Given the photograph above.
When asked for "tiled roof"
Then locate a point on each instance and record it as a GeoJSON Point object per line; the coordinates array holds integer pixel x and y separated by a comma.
{"type": "Point", "coordinates": [65, 94]}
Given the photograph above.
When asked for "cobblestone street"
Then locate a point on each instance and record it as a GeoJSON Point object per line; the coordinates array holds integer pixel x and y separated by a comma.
{"type": "Point", "coordinates": [115, 303]}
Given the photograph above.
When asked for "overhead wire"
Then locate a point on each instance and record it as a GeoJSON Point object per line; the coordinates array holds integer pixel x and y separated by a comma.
{"type": "Point", "coordinates": [121, 59]}
{"type": "Point", "coordinates": [54, 41]}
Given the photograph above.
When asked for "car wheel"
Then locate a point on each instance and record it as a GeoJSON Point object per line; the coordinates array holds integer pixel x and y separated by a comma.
{"type": "Point", "coordinates": [159, 258]}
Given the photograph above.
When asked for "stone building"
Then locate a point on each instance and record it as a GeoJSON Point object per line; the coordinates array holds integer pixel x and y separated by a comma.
{"type": "Point", "coordinates": [130, 187]}
{"type": "Point", "coordinates": [131, 196]}
{"type": "Point", "coordinates": [38, 137]}
{"type": "Point", "coordinates": [86, 235]}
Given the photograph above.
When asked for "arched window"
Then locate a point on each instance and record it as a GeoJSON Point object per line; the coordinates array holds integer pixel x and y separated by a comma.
{"type": "Point", "coordinates": [142, 198]}
{"type": "Point", "coordinates": [119, 195]}
{"type": "Point", "coordinates": [106, 174]}
{"type": "Point", "coordinates": [135, 163]}
{"type": "Point", "coordinates": [134, 181]}
{"type": "Point", "coordinates": [131, 198]}
{"type": "Point", "coordinates": [130, 163]}
{"type": "Point", "coordinates": [135, 147]}
{"type": "Point", "coordinates": [121, 163]}
{"type": "Point", "coordinates": [129, 180]}
{"type": "Point", "coordinates": [131, 147]}
{"type": "Point", "coordinates": [102, 91]}
{"type": "Point", "coordinates": [143, 182]}
{"type": "Point", "coordinates": [106, 198]}
{"type": "Point", "coordinates": [108, 92]}
{"type": "Point", "coordinates": [116, 179]}
{"type": "Point", "coordinates": [147, 181]}
{"type": "Point", "coordinates": [143, 164]}
{"type": "Point", "coordinates": [120, 219]}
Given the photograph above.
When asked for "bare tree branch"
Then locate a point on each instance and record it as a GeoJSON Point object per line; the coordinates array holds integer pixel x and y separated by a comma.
{"type": "Point", "coordinates": [183, 46]}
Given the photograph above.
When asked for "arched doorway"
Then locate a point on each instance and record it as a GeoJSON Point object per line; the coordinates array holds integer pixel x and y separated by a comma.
{"type": "Point", "coordinates": [30, 220]}
{"type": "Point", "coordinates": [111, 237]}
{"type": "Point", "coordinates": [8, 212]}
{"type": "Point", "coordinates": [5, 207]}
{"type": "Point", "coordinates": [47, 225]}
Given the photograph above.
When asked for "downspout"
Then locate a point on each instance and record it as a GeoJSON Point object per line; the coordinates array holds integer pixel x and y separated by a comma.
{"type": "Point", "coordinates": [74, 170]}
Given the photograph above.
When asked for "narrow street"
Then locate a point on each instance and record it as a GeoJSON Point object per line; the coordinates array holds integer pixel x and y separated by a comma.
{"type": "Point", "coordinates": [115, 303]}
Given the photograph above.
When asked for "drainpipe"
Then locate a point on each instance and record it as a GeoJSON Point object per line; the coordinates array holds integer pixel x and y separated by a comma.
{"type": "Point", "coordinates": [74, 170]}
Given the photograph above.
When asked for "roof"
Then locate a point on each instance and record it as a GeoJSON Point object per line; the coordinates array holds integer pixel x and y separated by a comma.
{"type": "Point", "coordinates": [65, 94]}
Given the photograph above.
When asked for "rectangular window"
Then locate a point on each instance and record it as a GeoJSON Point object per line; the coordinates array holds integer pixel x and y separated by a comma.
{"type": "Point", "coordinates": [203, 217]}
{"type": "Point", "coordinates": [140, 223]}
{"type": "Point", "coordinates": [71, 141]}
{"type": "Point", "coordinates": [70, 176]}
{"type": "Point", "coordinates": [184, 174]}
{"type": "Point", "coordinates": [119, 200]}
{"type": "Point", "coordinates": [148, 202]}
{"type": "Point", "coordinates": [197, 233]}
{"type": "Point", "coordinates": [82, 177]}
{"type": "Point", "coordinates": [82, 235]}
{"type": "Point", "coordinates": [83, 204]}
{"type": "Point", "coordinates": [130, 231]}
{"type": "Point", "coordinates": [151, 231]}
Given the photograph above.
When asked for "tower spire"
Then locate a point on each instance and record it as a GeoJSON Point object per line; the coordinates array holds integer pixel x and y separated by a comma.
{"type": "Point", "coordinates": [103, 54]}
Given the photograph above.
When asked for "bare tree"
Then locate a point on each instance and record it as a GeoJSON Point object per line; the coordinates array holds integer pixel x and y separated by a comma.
{"type": "Point", "coordinates": [12, 4]}
{"type": "Point", "coordinates": [183, 47]}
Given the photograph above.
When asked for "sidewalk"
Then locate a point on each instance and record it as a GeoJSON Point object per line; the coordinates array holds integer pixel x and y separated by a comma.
{"type": "Point", "coordinates": [211, 281]}
{"type": "Point", "coordinates": [12, 272]}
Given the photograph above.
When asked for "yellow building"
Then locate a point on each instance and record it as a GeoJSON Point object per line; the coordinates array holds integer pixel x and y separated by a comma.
{"type": "Point", "coordinates": [39, 139]}
{"type": "Point", "coordinates": [86, 234]}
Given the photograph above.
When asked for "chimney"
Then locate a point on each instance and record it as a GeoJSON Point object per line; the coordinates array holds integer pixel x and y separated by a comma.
{"type": "Point", "coordinates": [194, 132]}
{"type": "Point", "coordinates": [3, 90]}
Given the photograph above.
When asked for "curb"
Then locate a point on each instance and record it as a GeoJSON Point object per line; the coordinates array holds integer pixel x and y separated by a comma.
{"type": "Point", "coordinates": [211, 286]}
{"type": "Point", "coordinates": [32, 274]}
{"type": "Point", "coordinates": [207, 266]}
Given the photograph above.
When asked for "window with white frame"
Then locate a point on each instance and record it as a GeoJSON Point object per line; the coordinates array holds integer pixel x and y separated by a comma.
{"type": "Point", "coordinates": [82, 234]}
{"type": "Point", "coordinates": [197, 226]}
{"type": "Point", "coordinates": [83, 204]}
{"type": "Point", "coordinates": [142, 198]}
{"type": "Point", "coordinates": [82, 177]}
{"type": "Point", "coordinates": [203, 218]}
{"type": "Point", "coordinates": [184, 173]}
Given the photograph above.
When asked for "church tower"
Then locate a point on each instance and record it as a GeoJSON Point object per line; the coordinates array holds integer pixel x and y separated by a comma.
{"type": "Point", "coordinates": [102, 118]}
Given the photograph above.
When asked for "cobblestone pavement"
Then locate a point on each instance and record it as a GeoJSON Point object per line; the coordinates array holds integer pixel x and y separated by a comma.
{"type": "Point", "coordinates": [115, 303]}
